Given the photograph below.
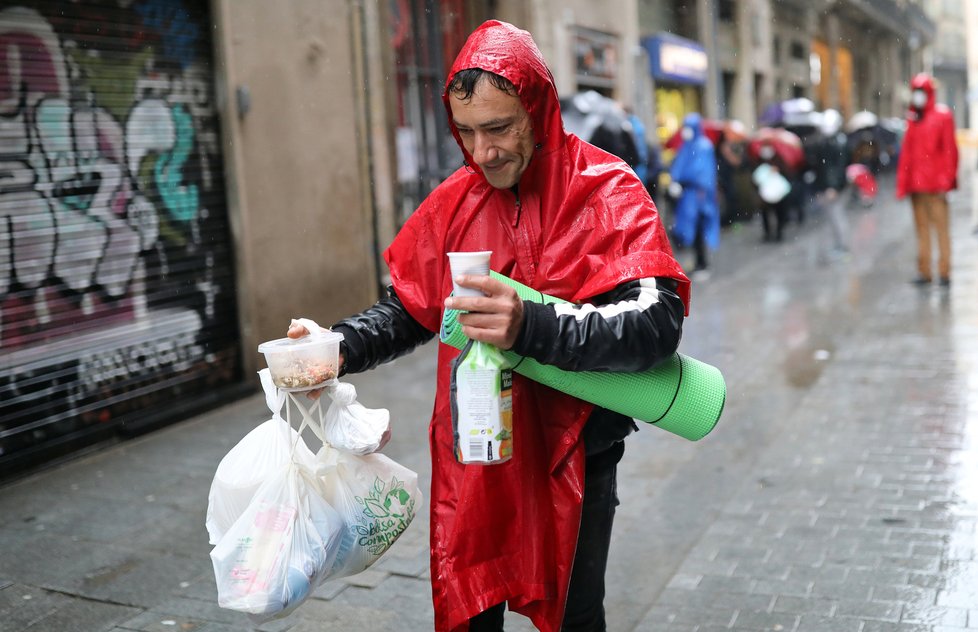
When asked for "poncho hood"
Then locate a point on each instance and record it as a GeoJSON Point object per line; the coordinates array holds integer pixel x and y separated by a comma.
{"type": "Point", "coordinates": [511, 53]}
{"type": "Point", "coordinates": [695, 123]}
{"type": "Point", "coordinates": [923, 81]}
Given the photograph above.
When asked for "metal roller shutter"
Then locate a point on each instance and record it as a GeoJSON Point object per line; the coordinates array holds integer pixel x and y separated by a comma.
{"type": "Point", "coordinates": [117, 298]}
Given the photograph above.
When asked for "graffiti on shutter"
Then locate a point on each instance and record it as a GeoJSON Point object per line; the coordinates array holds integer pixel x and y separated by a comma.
{"type": "Point", "coordinates": [116, 286]}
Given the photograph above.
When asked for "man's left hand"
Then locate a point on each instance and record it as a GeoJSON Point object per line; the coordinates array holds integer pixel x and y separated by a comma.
{"type": "Point", "coordinates": [495, 318]}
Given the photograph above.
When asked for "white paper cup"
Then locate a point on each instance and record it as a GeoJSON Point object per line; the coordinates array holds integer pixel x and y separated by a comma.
{"type": "Point", "coordinates": [474, 263]}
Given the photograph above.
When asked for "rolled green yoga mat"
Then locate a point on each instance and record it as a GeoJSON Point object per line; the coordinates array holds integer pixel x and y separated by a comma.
{"type": "Point", "coordinates": [681, 395]}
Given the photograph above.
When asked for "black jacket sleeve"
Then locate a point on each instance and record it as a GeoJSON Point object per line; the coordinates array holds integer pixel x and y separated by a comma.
{"type": "Point", "coordinates": [379, 334]}
{"type": "Point", "coordinates": [631, 328]}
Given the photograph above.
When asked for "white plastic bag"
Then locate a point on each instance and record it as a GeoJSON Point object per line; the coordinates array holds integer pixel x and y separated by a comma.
{"type": "Point", "coordinates": [262, 452]}
{"type": "Point", "coordinates": [376, 497]}
{"type": "Point", "coordinates": [284, 520]}
{"type": "Point", "coordinates": [351, 427]}
{"type": "Point", "coordinates": [771, 185]}
{"type": "Point", "coordinates": [281, 547]}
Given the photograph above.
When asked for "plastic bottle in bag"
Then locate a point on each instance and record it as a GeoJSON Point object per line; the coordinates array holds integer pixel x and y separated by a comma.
{"type": "Point", "coordinates": [482, 405]}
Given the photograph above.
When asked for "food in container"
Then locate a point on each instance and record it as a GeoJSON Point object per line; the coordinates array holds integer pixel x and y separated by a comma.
{"type": "Point", "coordinates": [299, 364]}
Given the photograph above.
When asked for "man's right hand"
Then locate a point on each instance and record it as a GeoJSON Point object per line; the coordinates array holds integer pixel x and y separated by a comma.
{"type": "Point", "coordinates": [297, 330]}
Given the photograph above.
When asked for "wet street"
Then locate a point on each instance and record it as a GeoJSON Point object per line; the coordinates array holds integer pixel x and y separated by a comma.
{"type": "Point", "coordinates": [838, 493]}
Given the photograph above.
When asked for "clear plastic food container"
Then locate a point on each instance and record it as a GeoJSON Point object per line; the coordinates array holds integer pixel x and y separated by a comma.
{"type": "Point", "coordinates": [305, 363]}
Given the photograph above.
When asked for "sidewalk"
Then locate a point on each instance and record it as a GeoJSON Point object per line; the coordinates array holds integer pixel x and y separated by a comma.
{"type": "Point", "coordinates": [861, 513]}
{"type": "Point", "coordinates": [839, 491]}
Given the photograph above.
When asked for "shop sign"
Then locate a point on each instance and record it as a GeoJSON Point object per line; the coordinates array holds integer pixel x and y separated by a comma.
{"type": "Point", "coordinates": [673, 58]}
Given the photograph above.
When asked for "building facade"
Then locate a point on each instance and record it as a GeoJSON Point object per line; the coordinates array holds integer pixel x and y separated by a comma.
{"type": "Point", "coordinates": [971, 19]}
{"type": "Point", "coordinates": [848, 55]}
{"type": "Point", "coordinates": [186, 176]}
{"type": "Point", "coordinates": [949, 55]}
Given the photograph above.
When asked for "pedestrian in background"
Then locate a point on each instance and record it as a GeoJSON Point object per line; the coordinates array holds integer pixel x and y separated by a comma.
{"type": "Point", "coordinates": [569, 220]}
{"type": "Point", "coordinates": [927, 170]}
{"type": "Point", "coordinates": [831, 157]}
{"type": "Point", "coordinates": [655, 170]}
{"type": "Point", "coordinates": [649, 166]}
{"type": "Point", "coordinates": [773, 189]}
{"type": "Point", "coordinates": [693, 185]}
{"type": "Point", "coordinates": [730, 161]}
{"type": "Point", "coordinates": [641, 166]}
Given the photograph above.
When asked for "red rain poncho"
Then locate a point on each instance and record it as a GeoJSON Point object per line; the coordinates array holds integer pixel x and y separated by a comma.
{"type": "Point", "coordinates": [929, 152]}
{"type": "Point", "coordinates": [584, 225]}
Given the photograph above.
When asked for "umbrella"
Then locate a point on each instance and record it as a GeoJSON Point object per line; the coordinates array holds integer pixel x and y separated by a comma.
{"type": "Point", "coordinates": [772, 115]}
{"type": "Point", "coordinates": [787, 146]}
{"type": "Point", "coordinates": [830, 122]}
{"type": "Point", "coordinates": [602, 122]}
{"type": "Point", "coordinates": [789, 113]}
{"type": "Point", "coordinates": [875, 144]}
{"type": "Point", "coordinates": [896, 125]}
{"type": "Point", "coordinates": [712, 129]}
{"type": "Point", "coordinates": [876, 134]}
{"type": "Point", "coordinates": [799, 112]}
{"type": "Point", "coordinates": [861, 120]}
{"type": "Point", "coordinates": [733, 131]}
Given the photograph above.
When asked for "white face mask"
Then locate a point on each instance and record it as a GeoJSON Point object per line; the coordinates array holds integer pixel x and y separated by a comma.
{"type": "Point", "coordinates": [687, 133]}
{"type": "Point", "coordinates": [918, 99]}
{"type": "Point", "coordinates": [767, 152]}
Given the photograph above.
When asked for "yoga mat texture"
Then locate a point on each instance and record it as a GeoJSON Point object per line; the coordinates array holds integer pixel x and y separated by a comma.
{"type": "Point", "coordinates": [681, 395]}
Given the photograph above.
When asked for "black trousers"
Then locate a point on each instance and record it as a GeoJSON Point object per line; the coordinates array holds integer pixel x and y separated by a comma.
{"type": "Point", "coordinates": [699, 243]}
{"type": "Point", "coordinates": [776, 214]}
{"type": "Point", "coordinates": [585, 597]}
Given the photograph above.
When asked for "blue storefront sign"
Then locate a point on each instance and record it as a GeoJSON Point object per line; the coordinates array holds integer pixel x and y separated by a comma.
{"type": "Point", "coordinates": [676, 59]}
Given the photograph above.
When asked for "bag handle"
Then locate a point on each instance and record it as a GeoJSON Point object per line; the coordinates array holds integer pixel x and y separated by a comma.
{"type": "Point", "coordinates": [314, 330]}
{"type": "Point", "coordinates": [274, 398]}
{"type": "Point", "coordinates": [307, 421]}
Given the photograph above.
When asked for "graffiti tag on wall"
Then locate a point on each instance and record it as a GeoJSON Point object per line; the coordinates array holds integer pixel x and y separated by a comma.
{"type": "Point", "coordinates": [111, 202]}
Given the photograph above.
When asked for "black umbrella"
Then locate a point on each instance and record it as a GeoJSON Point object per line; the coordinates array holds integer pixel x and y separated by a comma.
{"type": "Point", "coordinates": [873, 145]}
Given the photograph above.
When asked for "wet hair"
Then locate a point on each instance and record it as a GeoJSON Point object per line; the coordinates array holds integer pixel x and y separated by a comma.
{"type": "Point", "coordinates": [464, 82]}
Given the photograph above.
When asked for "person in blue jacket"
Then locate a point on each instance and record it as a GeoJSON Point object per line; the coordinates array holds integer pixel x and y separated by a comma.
{"type": "Point", "coordinates": [694, 187]}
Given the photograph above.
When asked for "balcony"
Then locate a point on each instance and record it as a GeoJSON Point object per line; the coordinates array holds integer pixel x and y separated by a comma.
{"type": "Point", "coordinates": [905, 19]}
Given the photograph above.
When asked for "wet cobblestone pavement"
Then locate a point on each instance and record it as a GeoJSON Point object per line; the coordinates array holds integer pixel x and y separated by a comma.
{"type": "Point", "coordinates": [861, 513]}
{"type": "Point", "coordinates": [838, 493]}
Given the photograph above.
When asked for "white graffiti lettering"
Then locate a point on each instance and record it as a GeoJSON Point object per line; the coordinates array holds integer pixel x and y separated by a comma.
{"type": "Point", "coordinates": [148, 357]}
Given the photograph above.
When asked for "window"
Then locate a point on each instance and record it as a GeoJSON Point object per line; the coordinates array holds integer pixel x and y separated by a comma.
{"type": "Point", "coordinates": [798, 51]}
{"type": "Point", "coordinates": [727, 10]}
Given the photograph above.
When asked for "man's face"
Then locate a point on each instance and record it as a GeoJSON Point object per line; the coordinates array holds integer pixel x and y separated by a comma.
{"type": "Point", "coordinates": [496, 131]}
{"type": "Point", "coordinates": [918, 99]}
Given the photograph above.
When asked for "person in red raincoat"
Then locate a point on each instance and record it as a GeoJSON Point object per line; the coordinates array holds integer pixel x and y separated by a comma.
{"type": "Point", "coordinates": [927, 170]}
{"type": "Point", "coordinates": [570, 220]}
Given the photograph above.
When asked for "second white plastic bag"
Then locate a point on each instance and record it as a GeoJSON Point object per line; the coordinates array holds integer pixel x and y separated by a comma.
{"type": "Point", "coordinates": [261, 453]}
{"type": "Point", "coordinates": [281, 547]}
{"type": "Point", "coordinates": [376, 497]}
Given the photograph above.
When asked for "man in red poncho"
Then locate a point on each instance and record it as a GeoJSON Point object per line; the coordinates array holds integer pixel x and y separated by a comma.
{"type": "Point", "coordinates": [927, 170]}
{"type": "Point", "coordinates": [567, 219]}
